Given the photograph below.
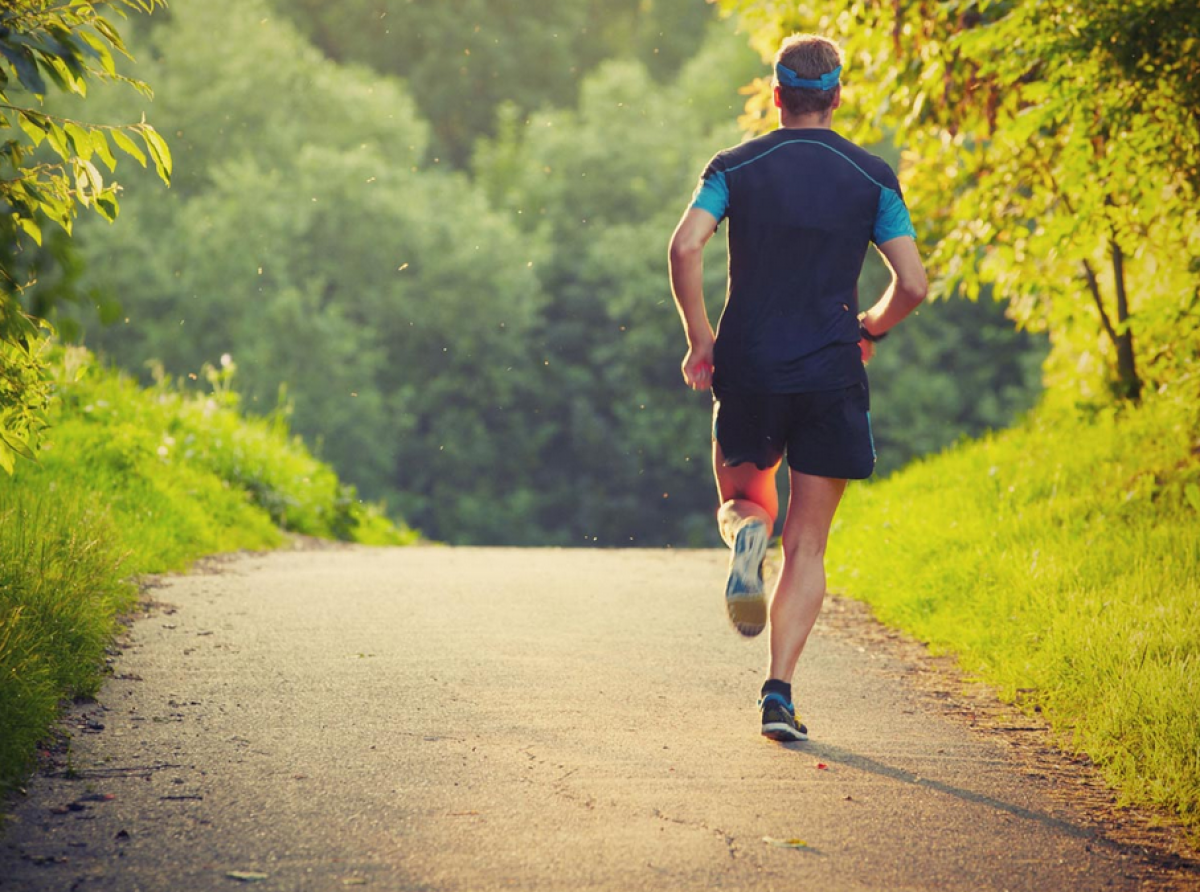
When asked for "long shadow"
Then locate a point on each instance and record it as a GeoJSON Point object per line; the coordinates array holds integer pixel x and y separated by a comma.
{"type": "Point", "coordinates": [828, 753]}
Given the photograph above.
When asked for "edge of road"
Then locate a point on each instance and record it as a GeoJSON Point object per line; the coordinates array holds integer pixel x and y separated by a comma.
{"type": "Point", "coordinates": [1158, 838]}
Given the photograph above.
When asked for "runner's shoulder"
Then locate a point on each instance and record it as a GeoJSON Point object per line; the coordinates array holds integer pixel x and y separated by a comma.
{"type": "Point", "coordinates": [874, 166]}
{"type": "Point", "coordinates": [734, 156]}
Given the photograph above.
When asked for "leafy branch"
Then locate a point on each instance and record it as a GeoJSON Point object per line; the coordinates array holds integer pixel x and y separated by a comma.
{"type": "Point", "coordinates": [62, 46]}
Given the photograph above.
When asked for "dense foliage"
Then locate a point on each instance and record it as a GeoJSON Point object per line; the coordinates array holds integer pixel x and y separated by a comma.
{"type": "Point", "coordinates": [463, 59]}
{"type": "Point", "coordinates": [490, 347]}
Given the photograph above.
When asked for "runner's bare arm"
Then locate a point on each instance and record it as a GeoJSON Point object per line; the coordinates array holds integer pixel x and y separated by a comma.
{"type": "Point", "coordinates": [907, 289]}
{"type": "Point", "coordinates": [687, 269]}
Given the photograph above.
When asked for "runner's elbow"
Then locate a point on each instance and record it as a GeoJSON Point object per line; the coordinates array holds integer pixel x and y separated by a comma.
{"type": "Point", "coordinates": [685, 248]}
{"type": "Point", "coordinates": [913, 288]}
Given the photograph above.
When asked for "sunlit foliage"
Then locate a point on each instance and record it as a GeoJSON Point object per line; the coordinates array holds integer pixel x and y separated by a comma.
{"type": "Point", "coordinates": [1052, 150]}
{"type": "Point", "coordinates": [48, 47]}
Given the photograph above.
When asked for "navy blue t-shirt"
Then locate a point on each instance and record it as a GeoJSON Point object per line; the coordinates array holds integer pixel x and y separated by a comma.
{"type": "Point", "coordinates": [802, 206]}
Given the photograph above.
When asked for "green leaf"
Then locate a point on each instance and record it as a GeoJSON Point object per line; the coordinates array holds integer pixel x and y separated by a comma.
{"type": "Point", "coordinates": [100, 144]}
{"type": "Point", "coordinates": [110, 34]}
{"type": "Point", "coordinates": [58, 140]}
{"type": "Point", "coordinates": [17, 445]}
{"type": "Point", "coordinates": [128, 146]}
{"type": "Point", "coordinates": [158, 151]}
{"type": "Point", "coordinates": [89, 181]}
{"type": "Point", "coordinates": [106, 205]}
{"type": "Point", "coordinates": [61, 75]}
{"type": "Point", "coordinates": [31, 228]}
{"type": "Point", "coordinates": [31, 127]}
{"type": "Point", "coordinates": [101, 51]}
{"type": "Point", "coordinates": [61, 44]}
{"type": "Point", "coordinates": [25, 64]}
{"type": "Point", "coordinates": [80, 139]}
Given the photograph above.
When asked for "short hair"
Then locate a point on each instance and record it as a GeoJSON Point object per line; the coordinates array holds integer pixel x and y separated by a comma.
{"type": "Point", "coordinates": [810, 56]}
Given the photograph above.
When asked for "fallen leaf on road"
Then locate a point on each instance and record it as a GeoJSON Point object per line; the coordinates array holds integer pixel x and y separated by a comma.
{"type": "Point", "coordinates": [785, 843]}
{"type": "Point", "coordinates": [245, 876]}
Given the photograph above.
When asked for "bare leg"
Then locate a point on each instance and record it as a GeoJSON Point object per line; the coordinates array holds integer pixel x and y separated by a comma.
{"type": "Point", "coordinates": [746, 492]}
{"type": "Point", "coordinates": [800, 588]}
{"type": "Point", "coordinates": [749, 505]}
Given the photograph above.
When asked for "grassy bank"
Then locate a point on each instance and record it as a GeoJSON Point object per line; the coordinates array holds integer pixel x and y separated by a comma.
{"type": "Point", "coordinates": [133, 481]}
{"type": "Point", "coordinates": [1061, 561]}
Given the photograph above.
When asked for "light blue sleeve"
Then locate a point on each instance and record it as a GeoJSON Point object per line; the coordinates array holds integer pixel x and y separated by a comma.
{"type": "Point", "coordinates": [892, 219]}
{"type": "Point", "coordinates": [712, 195]}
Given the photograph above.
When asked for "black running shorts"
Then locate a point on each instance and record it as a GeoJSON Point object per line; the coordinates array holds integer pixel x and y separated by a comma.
{"type": "Point", "coordinates": [825, 434]}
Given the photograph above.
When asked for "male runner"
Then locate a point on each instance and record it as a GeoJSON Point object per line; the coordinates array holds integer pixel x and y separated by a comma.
{"type": "Point", "coordinates": [787, 365]}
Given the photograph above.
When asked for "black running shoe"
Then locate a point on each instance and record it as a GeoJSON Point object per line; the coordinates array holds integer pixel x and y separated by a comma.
{"type": "Point", "coordinates": [779, 719]}
{"type": "Point", "coordinates": [745, 597]}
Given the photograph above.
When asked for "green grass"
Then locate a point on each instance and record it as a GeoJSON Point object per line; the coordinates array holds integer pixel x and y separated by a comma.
{"type": "Point", "coordinates": [133, 481]}
{"type": "Point", "coordinates": [1060, 561]}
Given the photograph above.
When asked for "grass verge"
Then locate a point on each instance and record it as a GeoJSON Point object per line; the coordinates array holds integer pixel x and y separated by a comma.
{"type": "Point", "coordinates": [133, 481]}
{"type": "Point", "coordinates": [1060, 561]}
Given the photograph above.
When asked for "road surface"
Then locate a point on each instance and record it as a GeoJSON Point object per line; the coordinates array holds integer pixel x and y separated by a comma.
{"type": "Point", "coordinates": [475, 719]}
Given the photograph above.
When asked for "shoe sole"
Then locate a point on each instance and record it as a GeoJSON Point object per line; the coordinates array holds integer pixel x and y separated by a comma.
{"type": "Point", "coordinates": [783, 732]}
{"type": "Point", "coordinates": [745, 599]}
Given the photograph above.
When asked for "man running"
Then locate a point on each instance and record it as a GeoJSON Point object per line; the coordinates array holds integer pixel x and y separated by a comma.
{"type": "Point", "coordinates": [787, 365]}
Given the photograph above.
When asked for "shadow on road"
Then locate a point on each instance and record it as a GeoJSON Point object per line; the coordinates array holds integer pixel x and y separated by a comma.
{"type": "Point", "coordinates": [834, 754]}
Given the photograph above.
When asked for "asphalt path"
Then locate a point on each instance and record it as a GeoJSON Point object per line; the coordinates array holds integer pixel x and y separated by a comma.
{"type": "Point", "coordinates": [474, 719]}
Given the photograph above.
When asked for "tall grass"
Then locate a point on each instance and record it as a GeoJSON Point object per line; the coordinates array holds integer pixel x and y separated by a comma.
{"type": "Point", "coordinates": [61, 585]}
{"type": "Point", "coordinates": [133, 481]}
{"type": "Point", "coordinates": [1061, 561]}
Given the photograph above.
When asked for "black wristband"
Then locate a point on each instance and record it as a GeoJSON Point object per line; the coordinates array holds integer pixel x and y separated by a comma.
{"type": "Point", "coordinates": [867, 336]}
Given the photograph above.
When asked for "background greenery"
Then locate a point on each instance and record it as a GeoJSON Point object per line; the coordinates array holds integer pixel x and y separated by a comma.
{"type": "Point", "coordinates": [447, 244]}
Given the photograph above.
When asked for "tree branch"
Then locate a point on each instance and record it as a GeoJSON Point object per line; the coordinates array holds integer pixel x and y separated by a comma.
{"type": "Point", "coordinates": [1094, 288]}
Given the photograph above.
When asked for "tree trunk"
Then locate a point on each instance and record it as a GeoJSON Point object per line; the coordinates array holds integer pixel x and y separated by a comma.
{"type": "Point", "coordinates": [1127, 376]}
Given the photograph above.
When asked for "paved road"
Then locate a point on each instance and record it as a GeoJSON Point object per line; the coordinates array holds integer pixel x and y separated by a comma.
{"type": "Point", "coordinates": [461, 719]}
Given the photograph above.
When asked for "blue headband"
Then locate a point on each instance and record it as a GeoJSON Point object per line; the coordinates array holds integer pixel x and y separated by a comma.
{"type": "Point", "coordinates": [789, 78]}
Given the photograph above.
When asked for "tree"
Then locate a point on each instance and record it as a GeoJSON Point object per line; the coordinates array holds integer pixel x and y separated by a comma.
{"type": "Point", "coordinates": [464, 59]}
{"type": "Point", "coordinates": [1052, 151]}
{"type": "Point", "coordinates": [43, 44]}
{"type": "Point", "coordinates": [308, 237]}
